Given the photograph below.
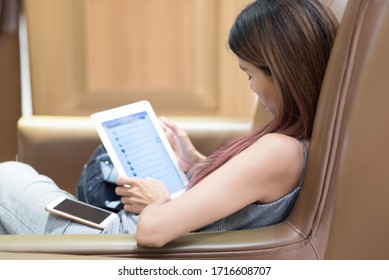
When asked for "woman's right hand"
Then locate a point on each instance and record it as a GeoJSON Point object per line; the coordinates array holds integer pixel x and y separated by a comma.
{"type": "Point", "coordinates": [187, 155]}
{"type": "Point", "coordinates": [137, 193]}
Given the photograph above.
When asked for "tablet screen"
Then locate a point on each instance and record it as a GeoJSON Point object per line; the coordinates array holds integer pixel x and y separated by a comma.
{"type": "Point", "coordinates": [141, 151]}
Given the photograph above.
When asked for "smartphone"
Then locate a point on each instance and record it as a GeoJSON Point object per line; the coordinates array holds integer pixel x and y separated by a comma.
{"type": "Point", "coordinates": [80, 212]}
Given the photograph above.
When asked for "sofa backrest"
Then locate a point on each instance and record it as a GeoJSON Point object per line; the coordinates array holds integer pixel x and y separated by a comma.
{"type": "Point", "coordinates": [358, 222]}
{"type": "Point", "coordinates": [342, 208]}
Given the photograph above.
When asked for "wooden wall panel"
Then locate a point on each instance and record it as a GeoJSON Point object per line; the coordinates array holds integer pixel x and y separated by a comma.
{"type": "Point", "coordinates": [10, 88]}
{"type": "Point", "coordinates": [149, 49]}
{"type": "Point", "coordinates": [89, 55]}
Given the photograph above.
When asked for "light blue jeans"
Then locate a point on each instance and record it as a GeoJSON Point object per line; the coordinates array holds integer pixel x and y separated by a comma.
{"type": "Point", "coordinates": [24, 195]}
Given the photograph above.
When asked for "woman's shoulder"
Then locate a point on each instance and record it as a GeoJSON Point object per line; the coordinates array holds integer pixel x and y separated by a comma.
{"type": "Point", "coordinates": [276, 150]}
{"type": "Point", "coordinates": [282, 157]}
{"type": "Point", "coordinates": [280, 143]}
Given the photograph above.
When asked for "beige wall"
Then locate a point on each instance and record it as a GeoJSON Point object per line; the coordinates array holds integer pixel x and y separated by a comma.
{"type": "Point", "coordinates": [89, 55]}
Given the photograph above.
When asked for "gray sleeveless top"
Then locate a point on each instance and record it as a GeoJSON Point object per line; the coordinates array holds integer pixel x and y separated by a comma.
{"type": "Point", "coordinates": [259, 215]}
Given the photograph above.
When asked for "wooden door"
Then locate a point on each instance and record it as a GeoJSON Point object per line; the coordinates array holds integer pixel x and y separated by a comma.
{"type": "Point", "coordinates": [89, 55]}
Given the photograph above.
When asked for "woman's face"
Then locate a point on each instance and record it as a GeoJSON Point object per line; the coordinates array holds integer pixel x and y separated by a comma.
{"type": "Point", "coordinates": [263, 86]}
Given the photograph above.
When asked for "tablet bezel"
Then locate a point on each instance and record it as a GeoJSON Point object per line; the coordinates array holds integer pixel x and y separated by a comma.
{"type": "Point", "coordinates": [133, 108]}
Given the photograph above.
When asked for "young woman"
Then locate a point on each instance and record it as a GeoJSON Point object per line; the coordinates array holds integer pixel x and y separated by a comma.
{"type": "Point", "coordinates": [283, 46]}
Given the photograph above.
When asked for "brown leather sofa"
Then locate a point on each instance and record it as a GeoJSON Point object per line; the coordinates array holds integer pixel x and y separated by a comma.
{"type": "Point", "coordinates": [342, 210]}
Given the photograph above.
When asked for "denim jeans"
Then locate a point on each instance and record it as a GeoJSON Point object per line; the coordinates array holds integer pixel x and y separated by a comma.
{"type": "Point", "coordinates": [24, 195]}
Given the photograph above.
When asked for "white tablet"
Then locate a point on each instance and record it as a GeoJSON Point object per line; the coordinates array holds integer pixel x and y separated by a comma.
{"type": "Point", "coordinates": [138, 146]}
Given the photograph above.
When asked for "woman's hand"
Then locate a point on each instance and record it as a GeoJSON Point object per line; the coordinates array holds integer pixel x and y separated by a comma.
{"type": "Point", "coordinates": [186, 153]}
{"type": "Point", "coordinates": [137, 193]}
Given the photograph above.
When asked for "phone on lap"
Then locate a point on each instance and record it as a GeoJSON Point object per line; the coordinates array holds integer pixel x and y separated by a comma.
{"type": "Point", "coordinates": [80, 212]}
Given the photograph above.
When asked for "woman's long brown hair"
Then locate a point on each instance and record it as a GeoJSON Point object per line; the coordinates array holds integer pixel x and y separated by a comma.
{"type": "Point", "coordinates": [291, 41]}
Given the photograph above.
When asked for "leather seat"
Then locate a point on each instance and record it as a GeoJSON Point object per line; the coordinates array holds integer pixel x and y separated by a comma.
{"type": "Point", "coordinates": [341, 212]}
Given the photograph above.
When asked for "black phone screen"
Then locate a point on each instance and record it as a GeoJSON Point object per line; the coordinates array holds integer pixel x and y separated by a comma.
{"type": "Point", "coordinates": [83, 211]}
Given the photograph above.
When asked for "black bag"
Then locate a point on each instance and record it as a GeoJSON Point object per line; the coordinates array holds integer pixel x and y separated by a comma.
{"type": "Point", "coordinates": [97, 182]}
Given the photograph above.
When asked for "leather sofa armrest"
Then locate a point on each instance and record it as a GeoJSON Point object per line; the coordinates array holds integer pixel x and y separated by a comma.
{"type": "Point", "coordinates": [59, 146]}
{"type": "Point", "coordinates": [279, 241]}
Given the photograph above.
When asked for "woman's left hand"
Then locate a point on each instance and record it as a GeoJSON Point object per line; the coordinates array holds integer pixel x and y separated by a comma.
{"type": "Point", "coordinates": [137, 193]}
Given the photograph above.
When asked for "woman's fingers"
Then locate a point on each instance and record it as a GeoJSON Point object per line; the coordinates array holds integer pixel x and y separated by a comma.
{"type": "Point", "coordinates": [125, 181]}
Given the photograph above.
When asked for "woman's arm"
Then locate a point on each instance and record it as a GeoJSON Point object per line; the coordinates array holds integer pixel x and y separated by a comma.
{"type": "Point", "coordinates": [264, 172]}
